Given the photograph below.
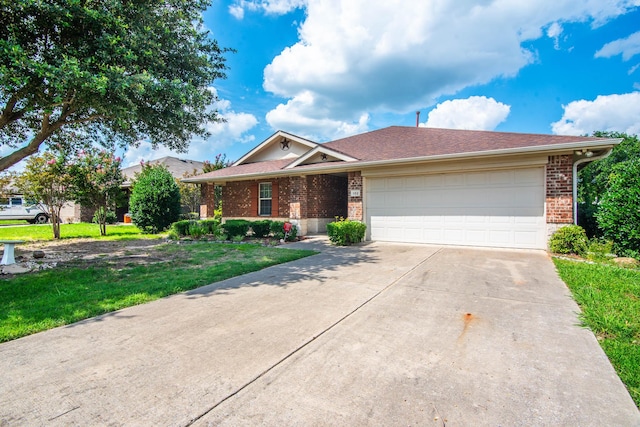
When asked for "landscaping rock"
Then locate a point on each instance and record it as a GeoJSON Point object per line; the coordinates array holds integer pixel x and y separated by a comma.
{"type": "Point", "coordinates": [627, 262]}
{"type": "Point", "coordinates": [38, 254]}
{"type": "Point", "coordinates": [15, 269]}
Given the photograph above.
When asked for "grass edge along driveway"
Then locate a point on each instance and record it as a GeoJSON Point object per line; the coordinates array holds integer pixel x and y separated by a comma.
{"type": "Point", "coordinates": [51, 298]}
{"type": "Point", "coordinates": [609, 298]}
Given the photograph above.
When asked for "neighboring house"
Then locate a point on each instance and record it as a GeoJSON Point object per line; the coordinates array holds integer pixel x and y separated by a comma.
{"type": "Point", "coordinates": [413, 184]}
{"type": "Point", "coordinates": [178, 167]}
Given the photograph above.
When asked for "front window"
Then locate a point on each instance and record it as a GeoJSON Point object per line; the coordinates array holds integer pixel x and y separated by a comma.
{"type": "Point", "coordinates": [264, 199]}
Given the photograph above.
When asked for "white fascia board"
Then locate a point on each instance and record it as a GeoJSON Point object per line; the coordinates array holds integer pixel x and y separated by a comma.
{"type": "Point", "coordinates": [279, 134]}
{"type": "Point", "coordinates": [320, 149]}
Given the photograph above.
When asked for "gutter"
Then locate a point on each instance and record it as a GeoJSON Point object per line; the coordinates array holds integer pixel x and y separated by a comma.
{"type": "Point", "coordinates": [575, 178]}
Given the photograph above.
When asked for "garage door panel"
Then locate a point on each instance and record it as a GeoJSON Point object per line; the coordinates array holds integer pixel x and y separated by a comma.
{"type": "Point", "coordinates": [490, 208]}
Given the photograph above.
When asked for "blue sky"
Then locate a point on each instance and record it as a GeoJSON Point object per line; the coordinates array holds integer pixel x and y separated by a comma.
{"type": "Point", "coordinates": [325, 69]}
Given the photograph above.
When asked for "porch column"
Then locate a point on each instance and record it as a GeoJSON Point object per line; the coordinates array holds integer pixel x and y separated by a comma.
{"type": "Point", "coordinates": [298, 204]}
{"type": "Point", "coordinates": [355, 196]}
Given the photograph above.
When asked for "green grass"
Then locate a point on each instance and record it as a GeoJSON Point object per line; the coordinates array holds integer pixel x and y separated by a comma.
{"type": "Point", "coordinates": [13, 222]}
{"type": "Point", "coordinates": [33, 233]}
{"type": "Point", "coordinates": [51, 298]}
{"type": "Point", "coordinates": [610, 301]}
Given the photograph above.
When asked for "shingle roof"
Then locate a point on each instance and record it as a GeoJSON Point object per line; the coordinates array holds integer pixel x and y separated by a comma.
{"type": "Point", "coordinates": [404, 143]}
{"type": "Point", "coordinates": [177, 167]}
{"type": "Point", "coordinates": [399, 142]}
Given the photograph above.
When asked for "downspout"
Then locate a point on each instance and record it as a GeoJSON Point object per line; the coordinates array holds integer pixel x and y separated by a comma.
{"type": "Point", "coordinates": [575, 178]}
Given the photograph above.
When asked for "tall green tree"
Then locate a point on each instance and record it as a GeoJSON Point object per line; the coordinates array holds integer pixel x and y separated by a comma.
{"type": "Point", "coordinates": [619, 211]}
{"type": "Point", "coordinates": [46, 179]}
{"type": "Point", "coordinates": [155, 199]}
{"type": "Point", "coordinates": [97, 179]}
{"type": "Point", "coordinates": [113, 71]}
{"type": "Point", "coordinates": [593, 179]}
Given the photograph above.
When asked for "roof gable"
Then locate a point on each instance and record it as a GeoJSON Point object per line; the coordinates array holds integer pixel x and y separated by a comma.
{"type": "Point", "coordinates": [280, 145]}
{"type": "Point", "coordinates": [320, 154]}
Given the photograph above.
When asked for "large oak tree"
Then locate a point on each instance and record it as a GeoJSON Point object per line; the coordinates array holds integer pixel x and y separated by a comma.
{"type": "Point", "coordinates": [112, 71]}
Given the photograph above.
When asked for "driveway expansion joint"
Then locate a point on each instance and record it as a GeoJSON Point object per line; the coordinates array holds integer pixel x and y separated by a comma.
{"type": "Point", "coordinates": [313, 338]}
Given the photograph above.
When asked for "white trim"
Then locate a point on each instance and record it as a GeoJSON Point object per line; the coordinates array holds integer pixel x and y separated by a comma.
{"type": "Point", "coordinates": [260, 199]}
{"type": "Point", "coordinates": [279, 134]}
{"type": "Point", "coordinates": [320, 149]}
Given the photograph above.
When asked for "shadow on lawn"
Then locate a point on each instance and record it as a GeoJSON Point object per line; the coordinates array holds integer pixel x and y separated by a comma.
{"type": "Point", "coordinates": [317, 267]}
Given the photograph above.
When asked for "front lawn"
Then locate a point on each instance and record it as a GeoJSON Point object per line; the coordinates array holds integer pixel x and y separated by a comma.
{"type": "Point", "coordinates": [33, 233]}
{"type": "Point", "coordinates": [610, 301]}
{"type": "Point", "coordinates": [80, 289]}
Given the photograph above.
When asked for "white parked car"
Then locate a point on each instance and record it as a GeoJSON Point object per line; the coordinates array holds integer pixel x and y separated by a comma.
{"type": "Point", "coordinates": [16, 207]}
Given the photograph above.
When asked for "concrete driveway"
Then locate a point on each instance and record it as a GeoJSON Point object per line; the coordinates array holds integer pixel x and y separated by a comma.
{"type": "Point", "coordinates": [380, 334]}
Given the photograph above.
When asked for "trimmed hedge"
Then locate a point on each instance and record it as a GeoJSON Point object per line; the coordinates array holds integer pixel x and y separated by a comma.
{"type": "Point", "coordinates": [570, 239]}
{"type": "Point", "coordinates": [346, 232]}
{"type": "Point", "coordinates": [261, 228]}
{"type": "Point", "coordinates": [181, 227]}
{"type": "Point", "coordinates": [236, 227]}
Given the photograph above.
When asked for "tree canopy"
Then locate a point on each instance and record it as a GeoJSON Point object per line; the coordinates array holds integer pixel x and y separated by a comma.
{"type": "Point", "coordinates": [112, 71]}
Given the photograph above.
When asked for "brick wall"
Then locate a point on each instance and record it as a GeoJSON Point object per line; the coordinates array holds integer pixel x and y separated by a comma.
{"type": "Point", "coordinates": [326, 196]}
{"type": "Point", "coordinates": [240, 199]}
{"type": "Point", "coordinates": [208, 200]}
{"type": "Point", "coordinates": [355, 202]}
{"type": "Point", "coordinates": [559, 199]}
{"type": "Point", "coordinates": [298, 197]}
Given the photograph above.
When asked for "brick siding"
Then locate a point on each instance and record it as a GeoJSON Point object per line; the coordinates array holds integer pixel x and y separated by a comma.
{"type": "Point", "coordinates": [355, 202]}
{"type": "Point", "coordinates": [240, 199]}
{"type": "Point", "coordinates": [326, 196]}
{"type": "Point", "coordinates": [559, 199]}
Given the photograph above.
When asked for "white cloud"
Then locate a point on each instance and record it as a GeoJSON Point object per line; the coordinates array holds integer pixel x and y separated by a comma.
{"type": "Point", "coordinates": [224, 134]}
{"type": "Point", "coordinates": [628, 47]}
{"type": "Point", "coordinates": [473, 113]}
{"type": "Point", "coordinates": [298, 117]}
{"type": "Point", "coordinates": [553, 32]}
{"type": "Point", "coordinates": [274, 7]}
{"type": "Point", "coordinates": [607, 113]}
{"type": "Point", "coordinates": [361, 56]}
{"type": "Point", "coordinates": [236, 11]}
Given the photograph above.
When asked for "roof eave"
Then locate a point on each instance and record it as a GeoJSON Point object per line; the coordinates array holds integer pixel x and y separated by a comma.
{"type": "Point", "coordinates": [346, 166]}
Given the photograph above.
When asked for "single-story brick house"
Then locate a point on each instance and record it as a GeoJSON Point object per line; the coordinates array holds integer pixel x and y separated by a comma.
{"type": "Point", "coordinates": [413, 184]}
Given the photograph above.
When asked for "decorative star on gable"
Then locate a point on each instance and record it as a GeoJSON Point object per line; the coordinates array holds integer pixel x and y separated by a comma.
{"type": "Point", "coordinates": [284, 144]}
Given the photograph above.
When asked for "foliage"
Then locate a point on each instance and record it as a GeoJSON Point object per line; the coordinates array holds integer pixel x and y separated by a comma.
{"type": "Point", "coordinates": [570, 239]}
{"type": "Point", "coordinates": [277, 229]}
{"type": "Point", "coordinates": [345, 231]}
{"type": "Point", "coordinates": [220, 162]}
{"type": "Point", "coordinates": [214, 228]}
{"type": "Point", "coordinates": [197, 230]}
{"type": "Point", "coordinates": [261, 228]}
{"type": "Point", "coordinates": [293, 234]}
{"type": "Point", "coordinates": [190, 194]}
{"type": "Point", "coordinates": [236, 227]}
{"type": "Point", "coordinates": [593, 179]}
{"type": "Point", "coordinates": [46, 178]}
{"type": "Point", "coordinates": [105, 216]}
{"type": "Point", "coordinates": [96, 183]}
{"type": "Point", "coordinates": [51, 298]}
{"type": "Point", "coordinates": [181, 228]}
{"type": "Point", "coordinates": [155, 199]}
{"type": "Point", "coordinates": [610, 307]}
{"type": "Point", "coordinates": [115, 72]}
{"type": "Point", "coordinates": [600, 250]}
{"type": "Point", "coordinates": [619, 212]}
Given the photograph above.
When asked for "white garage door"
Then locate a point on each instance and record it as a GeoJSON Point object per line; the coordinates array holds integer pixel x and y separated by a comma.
{"type": "Point", "coordinates": [503, 208]}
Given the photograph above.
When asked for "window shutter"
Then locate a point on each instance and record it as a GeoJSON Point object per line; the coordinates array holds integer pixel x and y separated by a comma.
{"type": "Point", "coordinates": [274, 199]}
{"type": "Point", "coordinates": [254, 200]}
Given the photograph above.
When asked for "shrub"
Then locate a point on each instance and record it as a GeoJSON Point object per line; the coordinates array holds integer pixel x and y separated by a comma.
{"type": "Point", "coordinates": [570, 239]}
{"type": "Point", "coordinates": [345, 232]}
{"type": "Point", "coordinates": [277, 229]}
{"type": "Point", "coordinates": [236, 227]}
{"type": "Point", "coordinates": [181, 228]}
{"type": "Point", "coordinates": [197, 230]}
{"type": "Point", "coordinates": [619, 212]}
{"type": "Point", "coordinates": [155, 199]}
{"type": "Point", "coordinates": [212, 226]}
{"type": "Point", "coordinates": [110, 216]}
{"type": "Point", "coordinates": [261, 228]}
{"type": "Point", "coordinates": [600, 250]}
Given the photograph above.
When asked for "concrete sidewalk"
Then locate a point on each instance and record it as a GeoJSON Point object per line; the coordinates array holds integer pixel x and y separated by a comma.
{"type": "Point", "coordinates": [378, 334]}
